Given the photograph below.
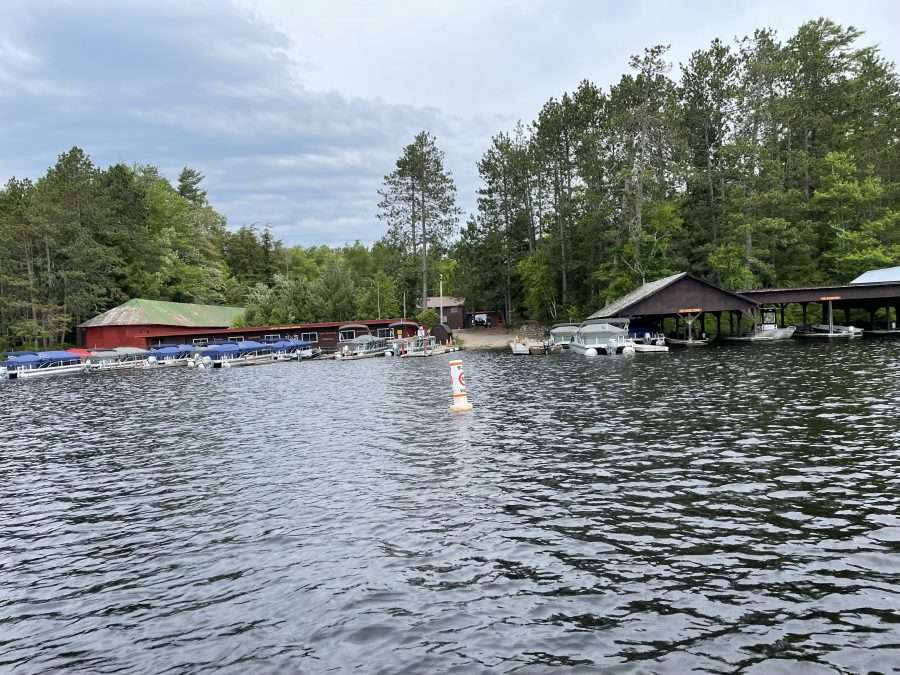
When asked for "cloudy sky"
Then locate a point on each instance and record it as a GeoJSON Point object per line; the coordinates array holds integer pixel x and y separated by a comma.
{"type": "Point", "coordinates": [295, 109]}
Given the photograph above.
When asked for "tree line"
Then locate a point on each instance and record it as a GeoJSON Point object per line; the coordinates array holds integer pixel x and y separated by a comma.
{"type": "Point", "coordinates": [760, 162]}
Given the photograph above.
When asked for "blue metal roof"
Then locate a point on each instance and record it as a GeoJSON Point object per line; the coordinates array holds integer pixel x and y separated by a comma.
{"type": "Point", "coordinates": [885, 275]}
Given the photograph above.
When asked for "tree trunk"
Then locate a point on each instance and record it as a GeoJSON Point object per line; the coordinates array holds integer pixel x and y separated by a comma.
{"type": "Point", "coordinates": [424, 251]}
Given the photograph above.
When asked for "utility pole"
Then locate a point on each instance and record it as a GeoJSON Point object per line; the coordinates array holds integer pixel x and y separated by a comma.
{"type": "Point", "coordinates": [378, 298]}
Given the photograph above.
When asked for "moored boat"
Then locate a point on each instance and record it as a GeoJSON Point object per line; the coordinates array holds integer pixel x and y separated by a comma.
{"type": "Point", "coordinates": [420, 346]}
{"type": "Point", "coordinates": [286, 350]}
{"type": "Point", "coordinates": [308, 351]}
{"type": "Point", "coordinates": [40, 364]}
{"type": "Point", "coordinates": [824, 331]}
{"type": "Point", "coordinates": [170, 355]}
{"type": "Point", "coordinates": [602, 336]}
{"type": "Point", "coordinates": [363, 347]}
{"type": "Point", "coordinates": [519, 346]}
{"type": "Point", "coordinates": [562, 335]}
{"type": "Point", "coordinates": [766, 331]}
{"type": "Point", "coordinates": [687, 342]}
{"type": "Point", "coordinates": [117, 358]}
{"type": "Point", "coordinates": [234, 354]}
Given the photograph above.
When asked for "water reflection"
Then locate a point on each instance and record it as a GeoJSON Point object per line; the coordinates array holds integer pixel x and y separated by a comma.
{"type": "Point", "coordinates": [719, 510]}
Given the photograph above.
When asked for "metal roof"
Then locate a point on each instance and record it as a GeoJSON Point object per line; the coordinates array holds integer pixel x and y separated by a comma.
{"type": "Point", "coordinates": [138, 312]}
{"type": "Point", "coordinates": [436, 301]}
{"type": "Point", "coordinates": [635, 296]}
{"type": "Point", "coordinates": [887, 274]}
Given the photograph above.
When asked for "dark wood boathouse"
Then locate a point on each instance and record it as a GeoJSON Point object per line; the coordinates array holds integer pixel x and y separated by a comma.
{"type": "Point", "coordinates": [879, 300]}
{"type": "Point", "coordinates": [681, 297]}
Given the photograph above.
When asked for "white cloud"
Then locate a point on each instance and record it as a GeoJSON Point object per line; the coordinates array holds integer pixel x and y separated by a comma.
{"type": "Point", "coordinates": [295, 111]}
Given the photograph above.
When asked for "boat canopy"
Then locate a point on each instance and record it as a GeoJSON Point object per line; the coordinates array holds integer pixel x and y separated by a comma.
{"type": "Point", "coordinates": [129, 351]}
{"type": "Point", "coordinates": [287, 345]}
{"type": "Point", "coordinates": [42, 359]}
{"type": "Point", "coordinates": [104, 354]}
{"type": "Point", "coordinates": [171, 350]}
{"type": "Point", "coordinates": [79, 351]}
{"type": "Point", "coordinates": [400, 324]}
{"type": "Point", "coordinates": [218, 351]}
{"type": "Point", "coordinates": [253, 346]}
{"type": "Point", "coordinates": [354, 326]}
{"type": "Point", "coordinates": [564, 329]}
{"type": "Point", "coordinates": [602, 326]}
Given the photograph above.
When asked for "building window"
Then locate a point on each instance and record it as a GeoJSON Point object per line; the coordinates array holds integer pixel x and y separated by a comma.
{"type": "Point", "coordinates": [236, 338]}
{"type": "Point", "coordinates": [347, 335]}
{"type": "Point", "coordinates": [309, 337]}
{"type": "Point", "coordinates": [272, 337]}
{"type": "Point", "coordinates": [384, 332]}
{"type": "Point", "coordinates": [200, 342]}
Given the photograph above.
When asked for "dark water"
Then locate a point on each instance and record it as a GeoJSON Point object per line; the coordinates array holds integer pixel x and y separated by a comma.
{"type": "Point", "coordinates": [729, 510]}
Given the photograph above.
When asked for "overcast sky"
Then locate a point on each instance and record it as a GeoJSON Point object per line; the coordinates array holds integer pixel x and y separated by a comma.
{"type": "Point", "coordinates": [296, 109]}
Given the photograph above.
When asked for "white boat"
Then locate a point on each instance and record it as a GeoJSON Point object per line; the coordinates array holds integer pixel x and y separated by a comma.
{"type": "Point", "coordinates": [363, 347]}
{"type": "Point", "coordinates": [824, 331]}
{"type": "Point", "coordinates": [286, 350]}
{"type": "Point", "coordinates": [419, 347]}
{"type": "Point", "coordinates": [641, 348]}
{"type": "Point", "coordinates": [519, 347]}
{"type": "Point", "coordinates": [235, 354]}
{"type": "Point", "coordinates": [687, 342]}
{"type": "Point", "coordinates": [602, 336]}
{"type": "Point", "coordinates": [170, 355]}
{"type": "Point", "coordinates": [562, 334]}
{"type": "Point", "coordinates": [765, 331]}
{"type": "Point", "coordinates": [309, 352]}
{"type": "Point", "coordinates": [42, 364]}
{"type": "Point", "coordinates": [118, 358]}
{"type": "Point", "coordinates": [649, 343]}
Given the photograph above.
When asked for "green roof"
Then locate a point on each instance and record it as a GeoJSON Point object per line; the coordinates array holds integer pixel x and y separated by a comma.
{"type": "Point", "coordinates": [138, 312]}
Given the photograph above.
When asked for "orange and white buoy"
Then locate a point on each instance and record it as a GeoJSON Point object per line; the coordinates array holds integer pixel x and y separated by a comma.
{"type": "Point", "coordinates": [458, 382]}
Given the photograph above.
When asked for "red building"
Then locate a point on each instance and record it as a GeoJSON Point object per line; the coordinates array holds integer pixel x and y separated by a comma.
{"type": "Point", "coordinates": [147, 323]}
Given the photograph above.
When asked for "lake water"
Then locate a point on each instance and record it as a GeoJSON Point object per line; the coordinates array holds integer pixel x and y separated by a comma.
{"type": "Point", "coordinates": [722, 510]}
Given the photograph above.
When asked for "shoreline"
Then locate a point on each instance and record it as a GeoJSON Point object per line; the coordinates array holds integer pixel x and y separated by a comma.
{"type": "Point", "coordinates": [485, 338]}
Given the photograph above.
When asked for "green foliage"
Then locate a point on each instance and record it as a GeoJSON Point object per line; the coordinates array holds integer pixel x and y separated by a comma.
{"type": "Point", "coordinates": [428, 318]}
{"type": "Point", "coordinates": [770, 163]}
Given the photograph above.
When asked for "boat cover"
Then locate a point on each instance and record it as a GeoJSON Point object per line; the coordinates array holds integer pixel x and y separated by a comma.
{"type": "Point", "coordinates": [171, 350]}
{"type": "Point", "coordinates": [42, 359]}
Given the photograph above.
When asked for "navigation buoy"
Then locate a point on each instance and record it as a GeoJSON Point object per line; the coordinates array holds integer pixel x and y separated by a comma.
{"type": "Point", "coordinates": [458, 382]}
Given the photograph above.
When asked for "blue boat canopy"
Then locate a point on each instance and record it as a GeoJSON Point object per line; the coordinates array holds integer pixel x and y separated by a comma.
{"type": "Point", "coordinates": [168, 350]}
{"type": "Point", "coordinates": [216, 351]}
{"type": "Point", "coordinates": [41, 359]}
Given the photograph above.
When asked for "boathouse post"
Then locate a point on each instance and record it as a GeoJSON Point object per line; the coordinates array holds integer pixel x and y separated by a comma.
{"type": "Point", "coordinates": [846, 316]}
{"type": "Point", "coordinates": [718, 324]}
{"type": "Point", "coordinates": [872, 317]}
{"type": "Point", "coordinates": [803, 308]}
{"type": "Point", "coordinates": [782, 313]}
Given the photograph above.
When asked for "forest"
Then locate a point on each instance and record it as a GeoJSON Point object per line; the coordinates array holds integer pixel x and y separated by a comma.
{"type": "Point", "coordinates": [758, 162]}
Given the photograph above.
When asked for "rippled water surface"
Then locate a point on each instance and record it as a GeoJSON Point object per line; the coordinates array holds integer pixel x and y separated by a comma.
{"type": "Point", "coordinates": [728, 510]}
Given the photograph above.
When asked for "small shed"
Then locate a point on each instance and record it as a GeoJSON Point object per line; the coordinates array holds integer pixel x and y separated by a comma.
{"type": "Point", "coordinates": [452, 308]}
{"type": "Point", "coordinates": [442, 332]}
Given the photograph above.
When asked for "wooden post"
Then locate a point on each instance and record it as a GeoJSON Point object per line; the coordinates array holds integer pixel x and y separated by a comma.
{"type": "Point", "coordinates": [830, 317]}
{"type": "Point", "coordinates": [872, 318]}
{"type": "Point", "coordinates": [803, 307]}
{"type": "Point", "coordinates": [846, 316]}
{"type": "Point", "coordinates": [718, 324]}
{"type": "Point", "coordinates": [782, 314]}
{"type": "Point", "coordinates": [731, 322]}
